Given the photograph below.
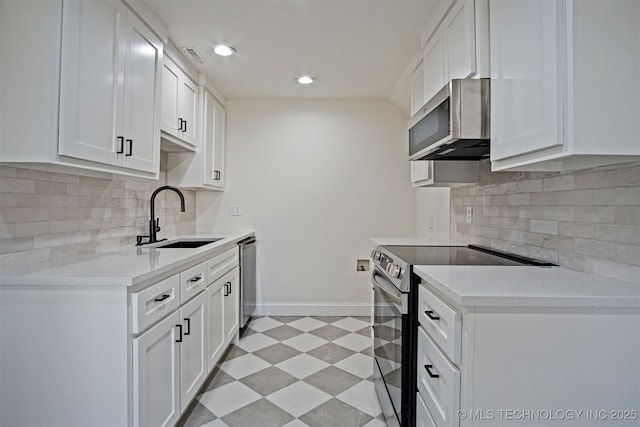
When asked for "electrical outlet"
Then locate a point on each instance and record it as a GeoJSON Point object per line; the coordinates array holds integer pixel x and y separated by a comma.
{"type": "Point", "coordinates": [234, 210]}
{"type": "Point", "coordinates": [469, 214]}
{"type": "Point", "coordinates": [430, 222]}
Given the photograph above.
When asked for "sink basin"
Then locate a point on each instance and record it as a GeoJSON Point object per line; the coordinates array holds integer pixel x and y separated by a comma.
{"type": "Point", "coordinates": [189, 243]}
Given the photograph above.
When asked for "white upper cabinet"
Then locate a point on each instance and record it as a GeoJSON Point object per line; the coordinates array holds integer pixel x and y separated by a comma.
{"type": "Point", "coordinates": [90, 81]}
{"type": "Point", "coordinates": [203, 169]}
{"type": "Point", "coordinates": [179, 106]}
{"type": "Point", "coordinates": [457, 48]}
{"type": "Point", "coordinates": [417, 88]}
{"type": "Point", "coordinates": [564, 91]}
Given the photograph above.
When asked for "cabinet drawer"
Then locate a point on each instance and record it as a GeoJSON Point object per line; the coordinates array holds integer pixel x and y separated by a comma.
{"type": "Point", "coordinates": [442, 323]}
{"type": "Point", "coordinates": [153, 303]}
{"type": "Point", "coordinates": [423, 417]}
{"type": "Point", "coordinates": [438, 382]}
{"type": "Point", "coordinates": [192, 281]}
{"type": "Point", "coordinates": [220, 264]}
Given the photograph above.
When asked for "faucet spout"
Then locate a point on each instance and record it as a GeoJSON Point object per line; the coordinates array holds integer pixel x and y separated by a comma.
{"type": "Point", "coordinates": [154, 225]}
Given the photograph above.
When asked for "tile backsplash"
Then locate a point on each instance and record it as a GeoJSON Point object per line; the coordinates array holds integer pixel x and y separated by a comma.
{"type": "Point", "coordinates": [586, 220]}
{"type": "Point", "coordinates": [50, 215]}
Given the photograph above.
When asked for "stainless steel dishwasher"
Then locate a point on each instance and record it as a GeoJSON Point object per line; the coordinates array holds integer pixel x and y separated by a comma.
{"type": "Point", "coordinates": [247, 279]}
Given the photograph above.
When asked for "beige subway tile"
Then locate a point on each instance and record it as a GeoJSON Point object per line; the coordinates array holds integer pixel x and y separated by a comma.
{"type": "Point", "coordinates": [498, 200]}
{"type": "Point", "coordinates": [8, 200]}
{"type": "Point", "coordinates": [7, 171]}
{"type": "Point", "coordinates": [78, 190]}
{"type": "Point", "coordinates": [65, 201]}
{"type": "Point", "coordinates": [524, 237]}
{"type": "Point", "coordinates": [615, 270]}
{"type": "Point", "coordinates": [509, 211]}
{"type": "Point", "coordinates": [78, 213]}
{"type": "Point", "coordinates": [563, 198]}
{"type": "Point", "coordinates": [16, 185]}
{"type": "Point", "coordinates": [559, 243]}
{"type": "Point", "coordinates": [531, 212]}
{"type": "Point", "coordinates": [627, 196]}
{"type": "Point", "coordinates": [575, 262]}
{"type": "Point", "coordinates": [49, 240]}
{"type": "Point", "coordinates": [628, 176]}
{"type": "Point", "coordinates": [558, 183]}
{"type": "Point", "coordinates": [518, 199]}
{"type": "Point", "coordinates": [51, 214]}
{"type": "Point", "coordinates": [95, 182]}
{"type": "Point", "coordinates": [7, 231]}
{"type": "Point", "coordinates": [596, 248]}
{"type": "Point", "coordinates": [530, 186]}
{"type": "Point", "coordinates": [628, 254]}
{"type": "Point", "coordinates": [617, 233]}
{"type": "Point", "coordinates": [511, 223]}
{"type": "Point", "coordinates": [596, 214]}
{"type": "Point", "coordinates": [50, 188]}
{"type": "Point", "coordinates": [33, 200]}
{"type": "Point", "coordinates": [24, 229]}
{"type": "Point", "coordinates": [597, 179]}
{"type": "Point", "coordinates": [16, 259]}
{"type": "Point", "coordinates": [508, 187]}
{"type": "Point", "coordinates": [77, 237]}
{"type": "Point", "coordinates": [65, 226]}
{"type": "Point", "coordinates": [115, 222]}
{"type": "Point", "coordinates": [544, 226]}
{"type": "Point", "coordinates": [173, 204]}
{"type": "Point", "coordinates": [490, 232]}
{"type": "Point", "coordinates": [90, 224]}
{"type": "Point", "coordinates": [68, 179]}
{"type": "Point", "coordinates": [628, 215]}
{"type": "Point", "coordinates": [13, 215]}
{"type": "Point", "coordinates": [575, 229]}
{"type": "Point", "coordinates": [565, 213]}
{"type": "Point", "coordinates": [17, 244]}
{"type": "Point", "coordinates": [537, 252]}
{"type": "Point", "coordinates": [33, 174]}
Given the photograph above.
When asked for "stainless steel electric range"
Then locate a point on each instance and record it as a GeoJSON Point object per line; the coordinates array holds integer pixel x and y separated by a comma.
{"type": "Point", "coordinates": [395, 323]}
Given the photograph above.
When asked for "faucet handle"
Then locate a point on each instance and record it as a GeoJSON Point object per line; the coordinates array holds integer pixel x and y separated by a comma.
{"type": "Point", "coordinates": [157, 225]}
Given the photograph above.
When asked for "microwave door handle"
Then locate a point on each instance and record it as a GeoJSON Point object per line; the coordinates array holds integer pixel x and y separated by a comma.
{"type": "Point", "coordinates": [389, 294]}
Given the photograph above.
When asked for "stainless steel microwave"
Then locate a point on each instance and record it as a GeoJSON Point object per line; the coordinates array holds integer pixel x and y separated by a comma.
{"type": "Point", "coordinates": [454, 124]}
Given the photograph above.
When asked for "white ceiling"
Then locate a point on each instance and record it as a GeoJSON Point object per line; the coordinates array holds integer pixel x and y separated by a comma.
{"type": "Point", "coordinates": [354, 48]}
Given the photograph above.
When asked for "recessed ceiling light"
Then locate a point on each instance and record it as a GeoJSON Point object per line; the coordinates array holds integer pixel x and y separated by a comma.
{"type": "Point", "coordinates": [305, 80]}
{"type": "Point", "coordinates": [224, 50]}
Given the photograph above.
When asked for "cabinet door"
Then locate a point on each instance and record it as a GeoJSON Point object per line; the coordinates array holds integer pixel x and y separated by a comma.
{"type": "Point", "coordinates": [143, 58]}
{"type": "Point", "coordinates": [526, 90]}
{"type": "Point", "coordinates": [231, 304]}
{"type": "Point", "coordinates": [155, 375]}
{"type": "Point", "coordinates": [209, 139]}
{"type": "Point", "coordinates": [169, 103]}
{"type": "Point", "coordinates": [188, 109]}
{"type": "Point", "coordinates": [422, 172]}
{"type": "Point", "coordinates": [220, 116]}
{"type": "Point", "coordinates": [92, 69]}
{"type": "Point", "coordinates": [460, 40]}
{"type": "Point", "coordinates": [193, 349]}
{"type": "Point", "coordinates": [417, 89]}
{"type": "Point", "coordinates": [215, 323]}
{"type": "Point", "coordinates": [434, 65]}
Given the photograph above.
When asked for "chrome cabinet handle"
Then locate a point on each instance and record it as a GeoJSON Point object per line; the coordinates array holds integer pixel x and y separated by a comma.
{"type": "Point", "coordinates": [431, 374]}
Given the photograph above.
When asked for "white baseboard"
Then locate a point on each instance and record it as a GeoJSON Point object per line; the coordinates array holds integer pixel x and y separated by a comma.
{"type": "Point", "coordinates": [312, 309]}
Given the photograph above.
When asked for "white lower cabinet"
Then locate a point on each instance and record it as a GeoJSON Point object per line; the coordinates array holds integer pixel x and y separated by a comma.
{"type": "Point", "coordinates": [215, 332]}
{"type": "Point", "coordinates": [526, 365]}
{"type": "Point", "coordinates": [155, 375]}
{"type": "Point", "coordinates": [193, 348]}
{"type": "Point", "coordinates": [231, 304]}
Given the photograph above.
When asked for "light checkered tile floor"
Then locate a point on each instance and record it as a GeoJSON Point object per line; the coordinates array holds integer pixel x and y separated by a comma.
{"type": "Point", "coordinates": [293, 371]}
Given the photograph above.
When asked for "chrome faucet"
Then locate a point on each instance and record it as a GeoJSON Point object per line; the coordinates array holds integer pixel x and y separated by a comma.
{"type": "Point", "coordinates": [154, 223]}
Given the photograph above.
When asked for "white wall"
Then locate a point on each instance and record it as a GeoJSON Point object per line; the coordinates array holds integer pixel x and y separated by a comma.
{"type": "Point", "coordinates": [315, 180]}
{"type": "Point", "coordinates": [432, 213]}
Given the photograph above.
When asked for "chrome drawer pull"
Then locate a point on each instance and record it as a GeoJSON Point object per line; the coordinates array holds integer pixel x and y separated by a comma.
{"type": "Point", "coordinates": [431, 316]}
{"type": "Point", "coordinates": [162, 298]}
{"type": "Point", "coordinates": [431, 374]}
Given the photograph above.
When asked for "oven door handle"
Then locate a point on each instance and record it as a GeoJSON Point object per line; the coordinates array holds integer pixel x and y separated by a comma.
{"type": "Point", "coordinates": [389, 291]}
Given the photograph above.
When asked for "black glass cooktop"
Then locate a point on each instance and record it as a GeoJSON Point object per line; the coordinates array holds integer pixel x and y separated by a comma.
{"type": "Point", "coordinates": [459, 255]}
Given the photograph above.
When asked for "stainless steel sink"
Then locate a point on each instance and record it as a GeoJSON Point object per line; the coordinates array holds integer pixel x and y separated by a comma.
{"type": "Point", "coordinates": [188, 243]}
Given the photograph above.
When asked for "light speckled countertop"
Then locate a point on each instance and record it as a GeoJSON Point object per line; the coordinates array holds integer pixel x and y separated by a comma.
{"type": "Point", "coordinates": [527, 286]}
{"type": "Point", "coordinates": [122, 267]}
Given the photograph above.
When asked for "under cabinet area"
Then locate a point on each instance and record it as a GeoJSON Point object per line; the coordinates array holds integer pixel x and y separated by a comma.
{"type": "Point", "coordinates": [560, 92]}
{"type": "Point", "coordinates": [89, 81]}
{"type": "Point", "coordinates": [443, 173]}
{"type": "Point", "coordinates": [108, 350]}
{"type": "Point", "coordinates": [479, 363]}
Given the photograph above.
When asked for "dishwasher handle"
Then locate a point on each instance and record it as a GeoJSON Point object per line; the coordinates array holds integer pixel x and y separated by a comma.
{"type": "Point", "coordinates": [248, 241]}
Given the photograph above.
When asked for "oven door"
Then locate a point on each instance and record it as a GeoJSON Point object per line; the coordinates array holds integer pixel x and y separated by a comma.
{"type": "Point", "coordinates": [390, 314]}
